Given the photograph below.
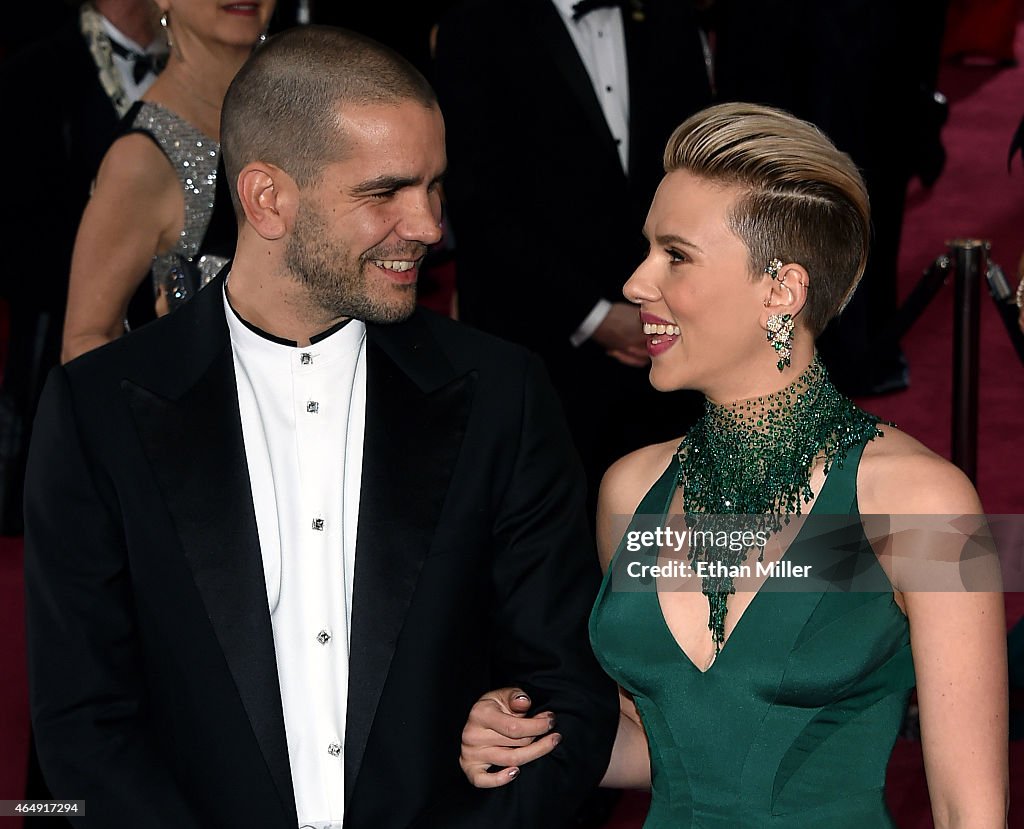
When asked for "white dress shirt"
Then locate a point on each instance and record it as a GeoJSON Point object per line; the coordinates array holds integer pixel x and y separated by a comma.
{"type": "Point", "coordinates": [600, 41]}
{"type": "Point", "coordinates": [303, 416]}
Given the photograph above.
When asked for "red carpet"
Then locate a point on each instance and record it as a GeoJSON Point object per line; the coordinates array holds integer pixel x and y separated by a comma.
{"type": "Point", "coordinates": [975, 197]}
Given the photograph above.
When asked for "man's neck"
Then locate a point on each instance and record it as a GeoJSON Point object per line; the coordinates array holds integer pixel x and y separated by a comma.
{"type": "Point", "coordinates": [275, 303]}
{"type": "Point", "coordinates": [133, 18]}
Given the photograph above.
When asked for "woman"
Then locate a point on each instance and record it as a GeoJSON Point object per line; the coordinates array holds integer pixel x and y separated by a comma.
{"type": "Point", "coordinates": [743, 704]}
{"type": "Point", "coordinates": [154, 192]}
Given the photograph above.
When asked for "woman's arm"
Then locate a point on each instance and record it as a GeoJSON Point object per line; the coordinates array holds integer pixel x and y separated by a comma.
{"type": "Point", "coordinates": [630, 765]}
{"type": "Point", "coordinates": [136, 210]}
{"type": "Point", "coordinates": [959, 646]}
{"type": "Point", "coordinates": [957, 634]}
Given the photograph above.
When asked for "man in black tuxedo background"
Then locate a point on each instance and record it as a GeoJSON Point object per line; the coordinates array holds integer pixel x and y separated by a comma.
{"type": "Point", "coordinates": [280, 541]}
{"type": "Point", "coordinates": [557, 115]}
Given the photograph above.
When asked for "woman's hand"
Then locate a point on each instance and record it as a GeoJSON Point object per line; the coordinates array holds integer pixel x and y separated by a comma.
{"type": "Point", "coordinates": [498, 733]}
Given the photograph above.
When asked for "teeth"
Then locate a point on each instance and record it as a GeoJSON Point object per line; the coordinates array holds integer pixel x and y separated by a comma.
{"type": "Point", "coordinates": [399, 266]}
{"type": "Point", "coordinates": [652, 328]}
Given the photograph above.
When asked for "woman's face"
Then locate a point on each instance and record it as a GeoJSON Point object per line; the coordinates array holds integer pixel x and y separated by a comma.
{"type": "Point", "coordinates": [237, 23]}
{"type": "Point", "coordinates": [695, 285]}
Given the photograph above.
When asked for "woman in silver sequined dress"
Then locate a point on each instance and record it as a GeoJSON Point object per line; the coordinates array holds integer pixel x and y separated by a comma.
{"type": "Point", "coordinates": [154, 191]}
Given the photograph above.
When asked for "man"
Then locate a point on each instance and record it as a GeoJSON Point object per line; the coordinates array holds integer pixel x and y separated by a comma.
{"type": "Point", "coordinates": [569, 103]}
{"type": "Point", "coordinates": [280, 541]}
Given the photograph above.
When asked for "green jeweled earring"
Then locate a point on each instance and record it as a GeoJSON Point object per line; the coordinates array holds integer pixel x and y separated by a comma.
{"type": "Point", "coordinates": [780, 337]}
{"type": "Point", "coordinates": [780, 326]}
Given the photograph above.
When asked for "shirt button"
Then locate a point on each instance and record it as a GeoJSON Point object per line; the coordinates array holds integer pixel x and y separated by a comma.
{"type": "Point", "coordinates": [334, 749]}
{"type": "Point", "coordinates": [306, 359]}
{"type": "Point", "coordinates": [607, 89]}
{"type": "Point", "coordinates": [312, 407]}
{"type": "Point", "coordinates": [323, 637]}
{"type": "Point", "coordinates": [318, 524]}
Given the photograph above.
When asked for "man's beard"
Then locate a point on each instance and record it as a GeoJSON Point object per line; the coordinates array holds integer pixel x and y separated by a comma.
{"type": "Point", "coordinates": [336, 281]}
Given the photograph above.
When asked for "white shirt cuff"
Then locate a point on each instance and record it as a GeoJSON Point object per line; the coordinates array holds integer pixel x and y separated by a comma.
{"type": "Point", "coordinates": [591, 323]}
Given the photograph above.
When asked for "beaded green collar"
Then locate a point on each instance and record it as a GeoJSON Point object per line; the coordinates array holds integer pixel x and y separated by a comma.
{"type": "Point", "coordinates": [754, 458]}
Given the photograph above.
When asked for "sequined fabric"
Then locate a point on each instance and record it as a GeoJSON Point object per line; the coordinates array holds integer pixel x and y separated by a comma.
{"type": "Point", "coordinates": [194, 157]}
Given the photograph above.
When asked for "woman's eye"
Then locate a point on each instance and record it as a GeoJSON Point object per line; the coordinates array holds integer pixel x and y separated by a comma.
{"type": "Point", "coordinates": [675, 255]}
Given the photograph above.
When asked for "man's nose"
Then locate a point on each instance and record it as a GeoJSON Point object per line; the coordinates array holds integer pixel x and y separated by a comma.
{"type": "Point", "coordinates": [421, 219]}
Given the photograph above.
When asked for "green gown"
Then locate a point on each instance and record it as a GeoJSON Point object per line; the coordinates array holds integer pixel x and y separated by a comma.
{"type": "Point", "coordinates": [793, 724]}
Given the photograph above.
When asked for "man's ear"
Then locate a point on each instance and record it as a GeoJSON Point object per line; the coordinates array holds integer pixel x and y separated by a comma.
{"type": "Point", "coordinates": [785, 293]}
{"type": "Point", "coordinates": [269, 198]}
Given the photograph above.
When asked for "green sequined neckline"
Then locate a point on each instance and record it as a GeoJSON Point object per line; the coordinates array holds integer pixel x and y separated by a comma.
{"type": "Point", "coordinates": [754, 458]}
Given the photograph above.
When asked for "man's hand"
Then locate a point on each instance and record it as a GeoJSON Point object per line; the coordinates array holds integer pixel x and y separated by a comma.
{"type": "Point", "coordinates": [622, 335]}
{"type": "Point", "coordinates": [498, 733]}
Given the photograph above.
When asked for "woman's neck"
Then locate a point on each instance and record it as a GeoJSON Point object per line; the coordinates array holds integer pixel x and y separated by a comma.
{"type": "Point", "coordinates": [772, 409]}
{"type": "Point", "coordinates": [194, 85]}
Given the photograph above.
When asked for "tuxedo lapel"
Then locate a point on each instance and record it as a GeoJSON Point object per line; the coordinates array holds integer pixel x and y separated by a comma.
{"type": "Point", "coordinates": [416, 413]}
{"type": "Point", "coordinates": [193, 415]}
{"type": "Point", "coordinates": [557, 43]}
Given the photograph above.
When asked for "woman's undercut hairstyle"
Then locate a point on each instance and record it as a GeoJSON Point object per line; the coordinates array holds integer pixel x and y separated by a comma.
{"type": "Point", "coordinates": [804, 200]}
{"type": "Point", "coordinates": [283, 105]}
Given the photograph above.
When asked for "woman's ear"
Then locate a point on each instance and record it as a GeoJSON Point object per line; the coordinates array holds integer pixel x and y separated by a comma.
{"type": "Point", "coordinates": [785, 291]}
{"type": "Point", "coordinates": [269, 199]}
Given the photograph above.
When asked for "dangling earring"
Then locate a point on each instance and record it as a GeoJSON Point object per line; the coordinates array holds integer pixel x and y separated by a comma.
{"type": "Point", "coordinates": [166, 26]}
{"type": "Point", "coordinates": [780, 337]}
{"type": "Point", "coordinates": [780, 326]}
{"type": "Point", "coordinates": [262, 39]}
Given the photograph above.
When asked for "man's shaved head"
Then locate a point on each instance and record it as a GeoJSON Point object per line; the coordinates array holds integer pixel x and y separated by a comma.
{"type": "Point", "coordinates": [283, 107]}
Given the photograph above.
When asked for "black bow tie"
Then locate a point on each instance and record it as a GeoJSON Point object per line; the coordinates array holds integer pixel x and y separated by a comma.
{"type": "Point", "coordinates": [585, 7]}
{"type": "Point", "coordinates": [142, 64]}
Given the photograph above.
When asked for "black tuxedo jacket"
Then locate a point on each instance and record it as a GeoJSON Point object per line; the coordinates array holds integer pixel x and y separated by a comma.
{"type": "Point", "coordinates": [546, 221]}
{"type": "Point", "coordinates": [153, 677]}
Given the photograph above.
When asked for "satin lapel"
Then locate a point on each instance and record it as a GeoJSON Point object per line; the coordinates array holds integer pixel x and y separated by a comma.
{"type": "Point", "coordinates": [194, 443]}
{"type": "Point", "coordinates": [416, 413]}
{"type": "Point", "coordinates": [557, 43]}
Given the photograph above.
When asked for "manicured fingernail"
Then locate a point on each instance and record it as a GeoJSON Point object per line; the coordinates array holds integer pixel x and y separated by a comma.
{"type": "Point", "coordinates": [555, 740]}
{"type": "Point", "coordinates": [513, 772]}
{"type": "Point", "coordinates": [522, 697]}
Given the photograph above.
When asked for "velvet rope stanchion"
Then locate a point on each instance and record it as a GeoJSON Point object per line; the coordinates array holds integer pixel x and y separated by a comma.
{"type": "Point", "coordinates": [970, 258]}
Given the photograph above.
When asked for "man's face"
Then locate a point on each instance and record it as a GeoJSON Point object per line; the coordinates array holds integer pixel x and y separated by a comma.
{"type": "Point", "coordinates": [363, 228]}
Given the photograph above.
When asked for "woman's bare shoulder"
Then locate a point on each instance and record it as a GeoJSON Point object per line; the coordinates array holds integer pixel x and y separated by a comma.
{"type": "Point", "coordinates": [134, 164]}
{"type": "Point", "coordinates": [899, 474]}
{"type": "Point", "coordinates": [631, 476]}
{"type": "Point", "coordinates": [623, 488]}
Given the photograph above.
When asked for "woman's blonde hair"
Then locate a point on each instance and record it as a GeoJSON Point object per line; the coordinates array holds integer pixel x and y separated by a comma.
{"type": "Point", "coordinates": [804, 201]}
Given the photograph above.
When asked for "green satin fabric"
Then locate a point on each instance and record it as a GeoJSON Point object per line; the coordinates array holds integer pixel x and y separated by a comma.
{"type": "Point", "coordinates": [793, 724]}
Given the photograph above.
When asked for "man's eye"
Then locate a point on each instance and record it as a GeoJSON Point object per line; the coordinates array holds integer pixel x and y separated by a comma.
{"type": "Point", "coordinates": [382, 196]}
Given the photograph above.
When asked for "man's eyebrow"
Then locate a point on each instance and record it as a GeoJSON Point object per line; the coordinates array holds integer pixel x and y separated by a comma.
{"type": "Point", "coordinates": [384, 183]}
{"type": "Point", "coordinates": [389, 184]}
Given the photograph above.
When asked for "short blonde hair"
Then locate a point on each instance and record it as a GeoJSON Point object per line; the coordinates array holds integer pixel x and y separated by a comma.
{"type": "Point", "coordinates": [804, 200]}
